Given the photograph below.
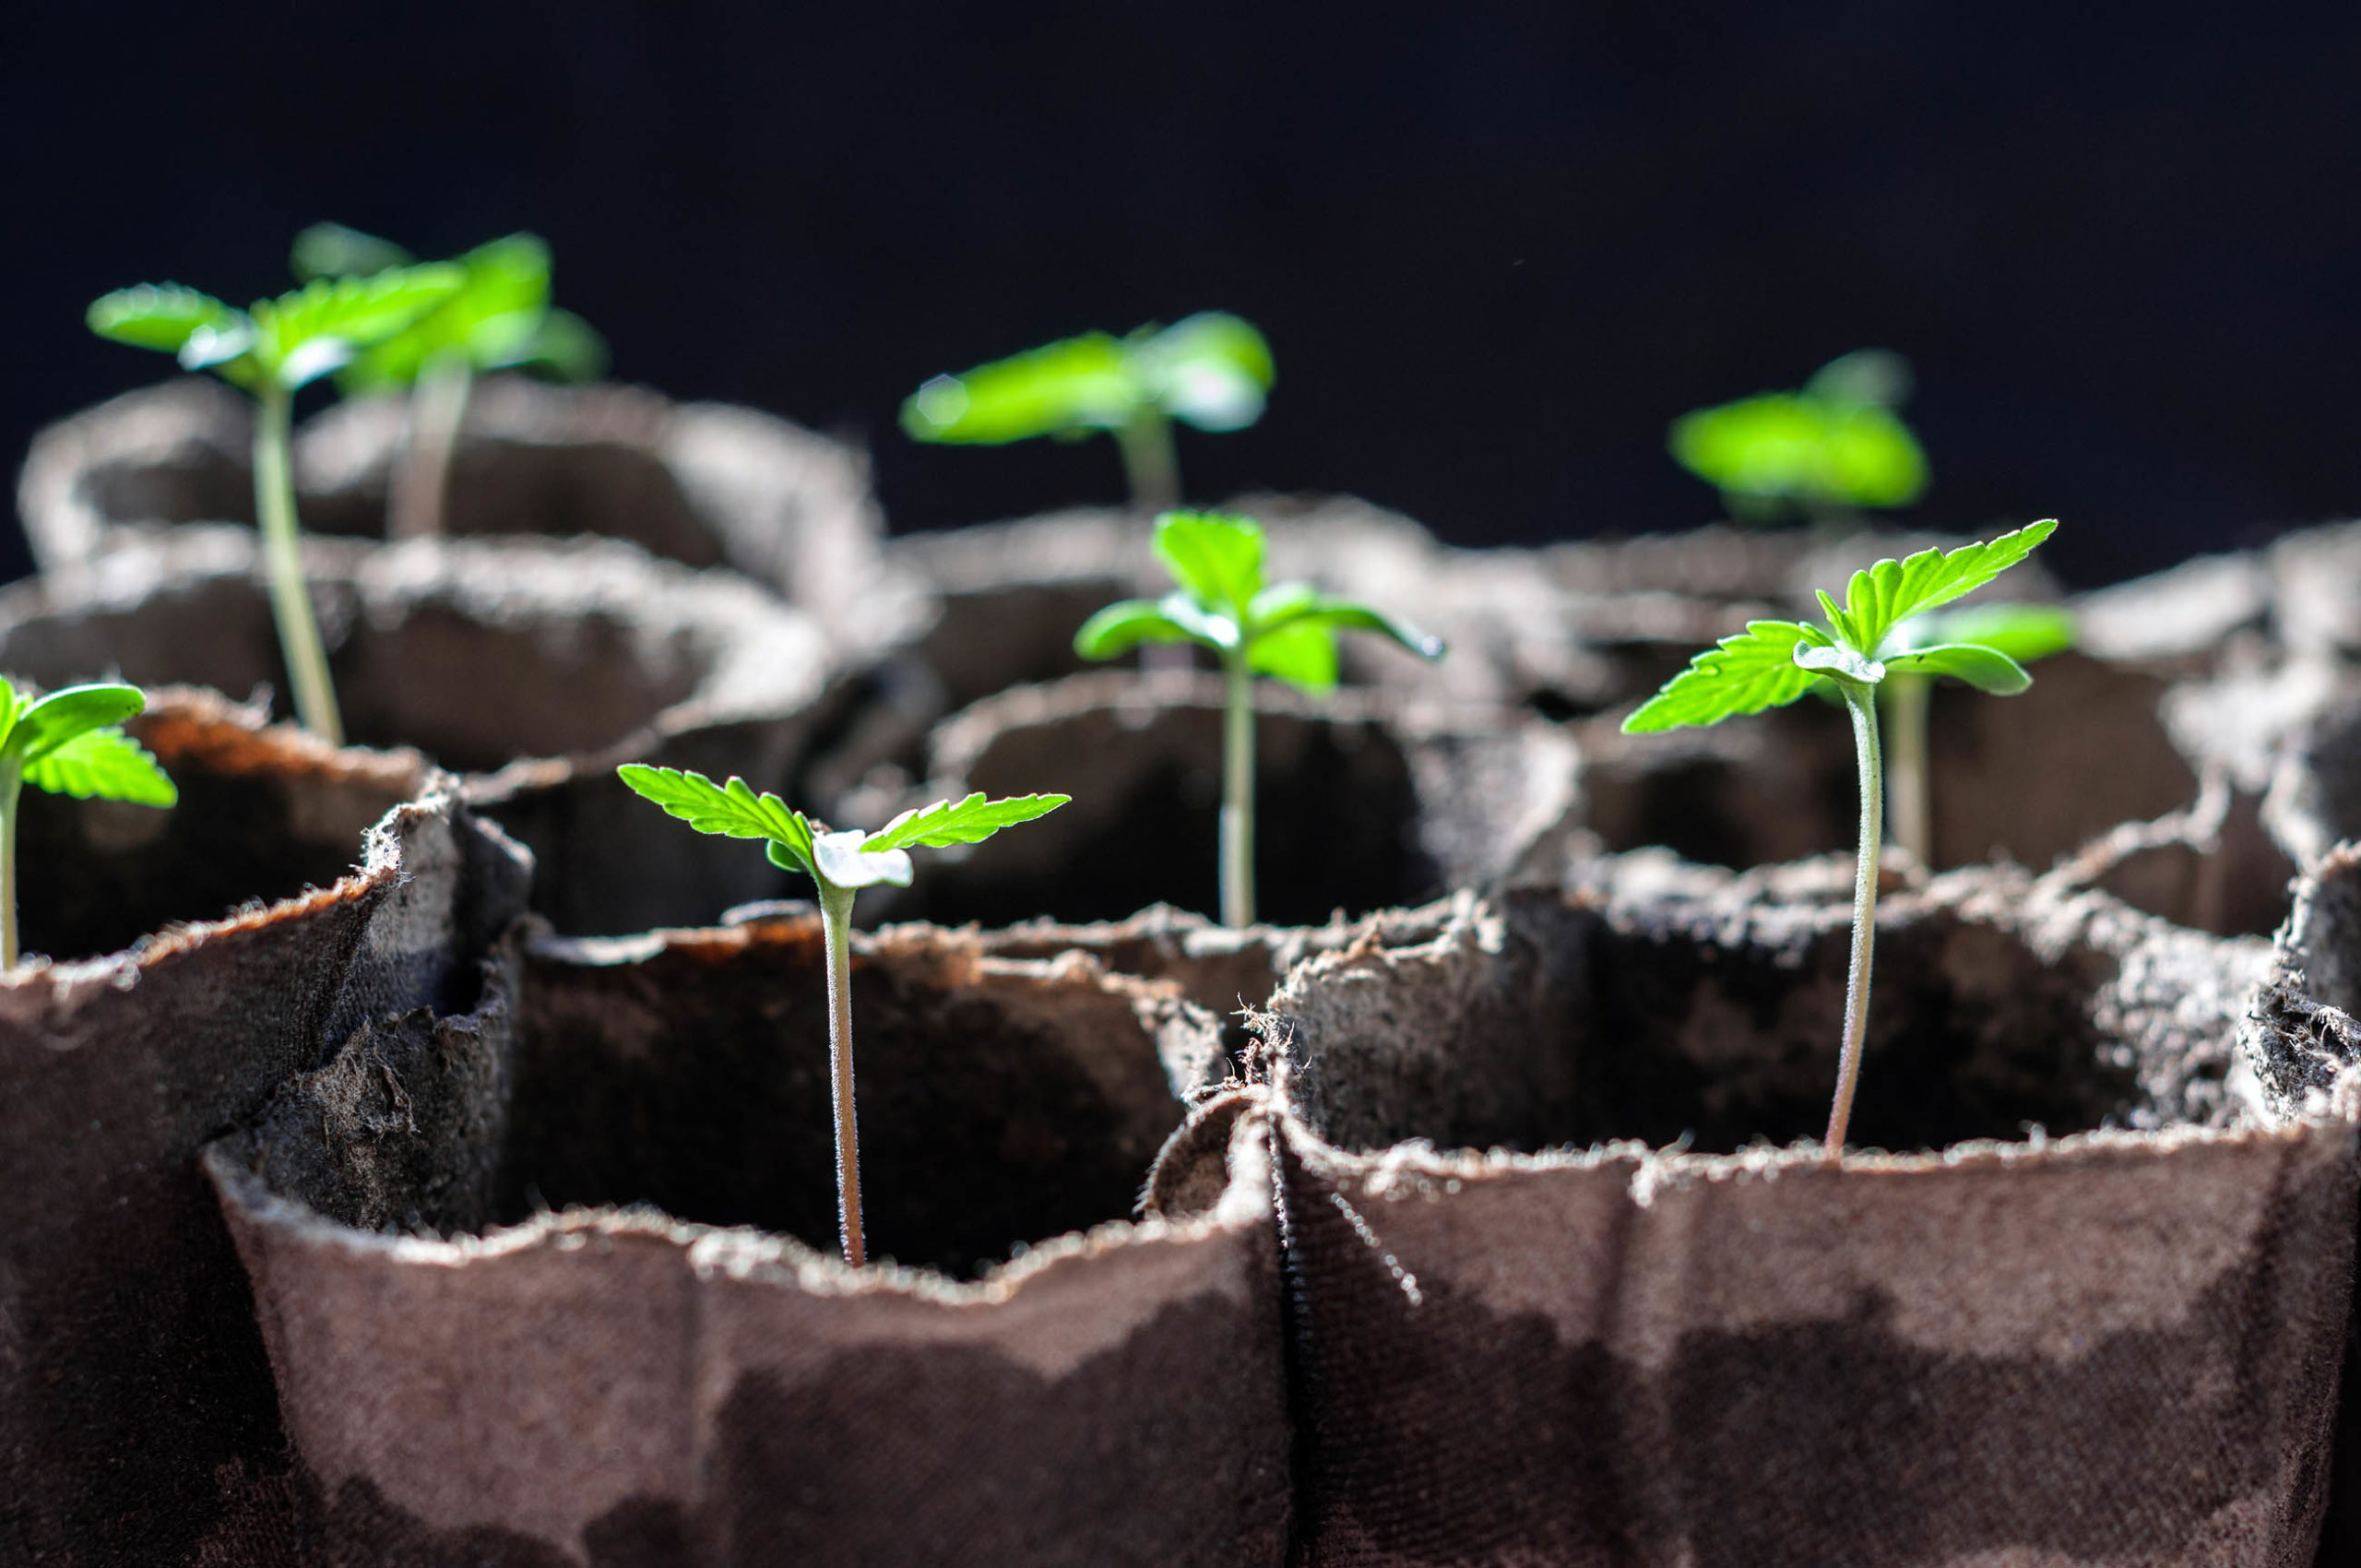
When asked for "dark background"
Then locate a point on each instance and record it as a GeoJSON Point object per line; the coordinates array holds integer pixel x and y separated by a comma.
{"type": "Point", "coordinates": [1494, 248]}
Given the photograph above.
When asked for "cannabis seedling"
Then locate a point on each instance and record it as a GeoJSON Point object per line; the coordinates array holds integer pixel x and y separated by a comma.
{"type": "Point", "coordinates": [2024, 632]}
{"type": "Point", "coordinates": [842, 864]}
{"type": "Point", "coordinates": [67, 743]}
{"type": "Point", "coordinates": [1212, 370]}
{"type": "Point", "coordinates": [1835, 444]}
{"type": "Point", "coordinates": [1285, 629]}
{"type": "Point", "coordinates": [500, 318]}
{"type": "Point", "coordinates": [271, 351]}
{"type": "Point", "coordinates": [1773, 662]}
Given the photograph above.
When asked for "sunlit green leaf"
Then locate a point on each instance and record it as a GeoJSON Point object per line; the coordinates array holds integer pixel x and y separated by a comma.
{"type": "Point", "coordinates": [331, 250]}
{"type": "Point", "coordinates": [105, 764]}
{"type": "Point", "coordinates": [1345, 616]}
{"type": "Point", "coordinates": [1123, 625]}
{"type": "Point", "coordinates": [1212, 370]}
{"type": "Point", "coordinates": [1987, 669]}
{"type": "Point", "coordinates": [1303, 653]}
{"type": "Point", "coordinates": [491, 320]}
{"type": "Point", "coordinates": [1882, 596]}
{"type": "Point", "coordinates": [307, 333]}
{"type": "Point", "coordinates": [1217, 559]}
{"type": "Point", "coordinates": [1741, 674]}
{"type": "Point", "coordinates": [159, 315]}
{"type": "Point", "coordinates": [2023, 632]}
{"type": "Point", "coordinates": [971, 821]}
{"type": "Point", "coordinates": [49, 723]}
{"type": "Point", "coordinates": [1837, 442]}
{"type": "Point", "coordinates": [1075, 384]}
{"type": "Point", "coordinates": [731, 809]}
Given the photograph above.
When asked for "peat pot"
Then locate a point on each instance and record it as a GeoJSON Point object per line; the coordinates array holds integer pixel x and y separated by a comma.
{"type": "Point", "coordinates": [196, 956]}
{"type": "Point", "coordinates": [1570, 1286]}
{"type": "Point", "coordinates": [706, 484]}
{"type": "Point", "coordinates": [1360, 804]}
{"type": "Point", "coordinates": [618, 1332]}
{"type": "Point", "coordinates": [532, 666]}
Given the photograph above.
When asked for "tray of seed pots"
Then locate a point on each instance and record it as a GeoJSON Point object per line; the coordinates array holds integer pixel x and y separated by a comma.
{"type": "Point", "coordinates": [198, 904]}
{"type": "Point", "coordinates": [1578, 1278]}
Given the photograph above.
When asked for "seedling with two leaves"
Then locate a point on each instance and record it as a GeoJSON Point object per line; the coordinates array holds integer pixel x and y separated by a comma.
{"type": "Point", "coordinates": [270, 350]}
{"type": "Point", "coordinates": [67, 743]}
{"type": "Point", "coordinates": [1835, 444]}
{"type": "Point", "coordinates": [1287, 630]}
{"type": "Point", "coordinates": [1212, 370]}
{"type": "Point", "coordinates": [1774, 663]}
{"type": "Point", "coordinates": [841, 864]}
{"type": "Point", "coordinates": [500, 318]}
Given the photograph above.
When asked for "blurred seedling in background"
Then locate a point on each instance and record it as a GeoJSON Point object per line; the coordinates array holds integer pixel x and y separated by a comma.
{"type": "Point", "coordinates": [270, 350]}
{"type": "Point", "coordinates": [499, 318]}
{"type": "Point", "coordinates": [842, 864]}
{"type": "Point", "coordinates": [2023, 632]}
{"type": "Point", "coordinates": [1212, 370]}
{"type": "Point", "coordinates": [1834, 446]}
{"type": "Point", "coordinates": [1288, 630]}
{"type": "Point", "coordinates": [1773, 662]}
{"type": "Point", "coordinates": [67, 743]}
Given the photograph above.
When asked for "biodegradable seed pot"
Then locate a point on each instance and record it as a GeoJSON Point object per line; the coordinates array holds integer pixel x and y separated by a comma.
{"type": "Point", "coordinates": [704, 484]}
{"type": "Point", "coordinates": [1037, 1379]}
{"type": "Point", "coordinates": [1360, 805]}
{"type": "Point", "coordinates": [194, 956]}
{"type": "Point", "coordinates": [535, 666]}
{"type": "Point", "coordinates": [1594, 1313]}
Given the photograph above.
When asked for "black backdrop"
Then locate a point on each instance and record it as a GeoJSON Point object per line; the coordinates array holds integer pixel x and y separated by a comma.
{"type": "Point", "coordinates": [1495, 247]}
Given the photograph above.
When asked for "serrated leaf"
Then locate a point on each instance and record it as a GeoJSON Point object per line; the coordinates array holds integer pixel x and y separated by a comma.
{"type": "Point", "coordinates": [1076, 384]}
{"type": "Point", "coordinates": [971, 821]}
{"type": "Point", "coordinates": [1987, 669]}
{"type": "Point", "coordinates": [157, 315]}
{"type": "Point", "coordinates": [2023, 632]}
{"type": "Point", "coordinates": [732, 810]}
{"type": "Point", "coordinates": [845, 860]}
{"type": "Point", "coordinates": [105, 764]}
{"type": "Point", "coordinates": [1883, 595]}
{"type": "Point", "coordinates": [1745, 673]}
{"type": "Point", "coordinates": [1125, 624]}
{"type": "Point", "coordinates": [43, 726]}
{"type": "Point", "coordinates": [305, 334]}
{"type": "Point", "coordinates": [1211, 370]}
{"type": "Point", "coordinates": [488, 322]}
{"type": "Point", "coordinates": [1303, 653]}
{"type": "Point", "coordinates": [332, 250]}
{"type": "Point", "coordinates": [1218, 559]}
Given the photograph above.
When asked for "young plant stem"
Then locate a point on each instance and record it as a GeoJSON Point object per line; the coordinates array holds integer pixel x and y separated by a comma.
{"type": "Point", "coordinates": [421, 503]}
{"type": "Point", "coordinates": [1151, 465]}
{"type": "Point", "coordinates": [291, 596]}
{"type": "Point", "coordinates": [1238, 794]}
{"type": "Point", "coordinates": [1907, 794]}
{"type": "Point", "coordinates": [836, 914]}
{"type": "Point", "coordinates": [1862, 702]}
{"type": "Point", "coordinates": [12, 780]}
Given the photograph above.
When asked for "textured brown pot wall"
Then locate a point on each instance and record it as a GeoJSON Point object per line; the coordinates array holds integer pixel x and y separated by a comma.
{"type": "Point", "coordinates": [1360, 805]}
{"type": "Point", "coordinates": [614, 1385]}
{"type": "Point", "coordinates": [137, 1422]}
{"type": "Point", "coordinates": [704, 484]}
{"type": "Point", "coordinates": [571, 656]}
{"type": "Point", "coordinates": [2114, 1345]}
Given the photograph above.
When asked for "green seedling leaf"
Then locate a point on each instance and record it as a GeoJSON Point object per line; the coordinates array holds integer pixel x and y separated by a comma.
{"type": "Point", "coordinates": [1837, 442]}
{"type": "Point", "coordinates": [1746, 673]}
{"type": "Point", "coordinates": [971, 821]}
{"type": "Point", "coordinates": [731, 809]}
{"type": "Point", "coordinates": [1212, 370]}
{"type": "Point", "coordinates": [1085, 383]}
{"type": "Point", "coordinates": [105, 764]}
{"type": "Point", "coordinates": [1987, 669]}
{"type": "Point", "coordinates": [161, 316]}
{"type": "Point", "coordinates": [492, 321]}
{"type": "Point", "coordinates": [2023, 632]}
{"type": "Point", "coordinates": [1125, 624]}
{"type": "Point", "coordinates": [43, 726]}
{"type": "Point", "coordinates": [331, 250]}
{"type": "Point", "coordinates": [1882, 596]}
{"type": "Point", "coordinates": [1344, 615]}
{"type": "Point", "coordinates": [317, 329]}
{"type": "Point", "coordinates": [1217, 559]}
{"type": "Point", "coordinates": [1303, 653]}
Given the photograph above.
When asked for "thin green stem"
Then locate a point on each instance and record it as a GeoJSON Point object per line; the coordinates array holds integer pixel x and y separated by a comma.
{"type": "Point", "coordinates": [1237, 793]}
{"type": "Point", "coordinates": [836, 914]}
{"type": "Point", "coordinates": [420, 507]}
{"type": "Point", "coordinates": [1151, 464]}
{"type": "Point", "coordinates": [12, 780]}
{"type": "Point", "coordinates": [291, 596]}
{"type": "Point", "coordinates": [1907, 791]}
{"type": "Point", "coordinates": [1862, 702]}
